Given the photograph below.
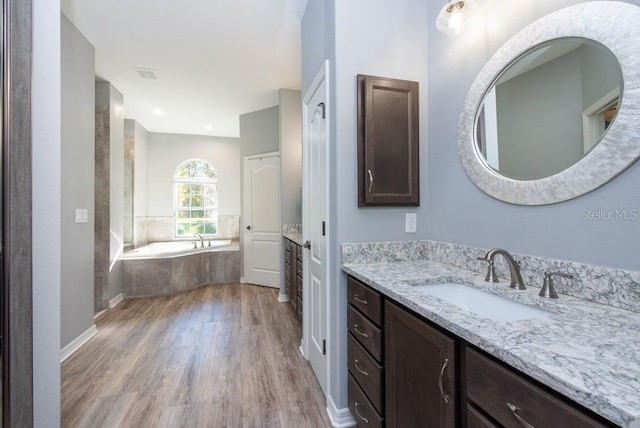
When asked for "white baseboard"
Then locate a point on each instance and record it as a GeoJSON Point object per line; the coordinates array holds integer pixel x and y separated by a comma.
{"type": "Point", "coordinates": [113, 302]}
{"type": "Point", "coordinates": [242, 280]}
{"type": "Point", "coordinates": [340, 418]}
{"type": "Point", "coordinates": [283, 298]}
{"type": "Point", "coordinates": [77, 343]}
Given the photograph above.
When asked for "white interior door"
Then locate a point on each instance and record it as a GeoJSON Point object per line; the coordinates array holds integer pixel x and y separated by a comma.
{"type": "Point", "coordinates": [261, 219]}
{"type": "Point", "coordinates": [314, 229]}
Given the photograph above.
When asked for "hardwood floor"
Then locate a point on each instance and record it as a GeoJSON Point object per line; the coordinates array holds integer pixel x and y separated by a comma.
{"type": "Point", "coordinates": [219, 356]}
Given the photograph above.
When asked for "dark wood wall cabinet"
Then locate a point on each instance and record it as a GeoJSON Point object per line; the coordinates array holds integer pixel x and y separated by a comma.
{"type": "Point", "coordinates": [404, 371]}
{"type": "Point", "coordinates": [388, 142]}
{"type": "Point", "coordinates": [293, 275]}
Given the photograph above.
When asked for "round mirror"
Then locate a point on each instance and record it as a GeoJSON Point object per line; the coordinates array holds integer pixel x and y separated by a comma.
{"type": "Point", "coordinates": [554, 113]}
{"type": "Point", "coordinates": [547, 109]}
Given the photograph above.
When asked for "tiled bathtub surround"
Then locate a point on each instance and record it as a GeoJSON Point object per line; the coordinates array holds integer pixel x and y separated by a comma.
{"type": "Point", "coordinates": [170, 275]}
{"type": "Point", "coordinates": [609, 286]}
{"type": "Point", "coordinates": [160, 229]}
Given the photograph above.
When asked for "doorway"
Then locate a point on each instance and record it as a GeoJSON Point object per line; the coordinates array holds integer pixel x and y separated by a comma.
{"type": "Point", "coordinates": [315, 227]}
{"type": "Point", "coordinates": [262, 243]}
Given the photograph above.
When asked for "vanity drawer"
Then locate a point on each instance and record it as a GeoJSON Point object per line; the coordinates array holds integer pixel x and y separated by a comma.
{"type": "Point", "coordinates": [369, 336]}
{"type": "Point", "coordinates": [494, 388]}
{"type": "Point", "coordinates": [361, 408]}
{"type": "Point", "coordinates": [366, 371]}
{"type": "Point", "coordinates": [475, 419]}
{"type": "Point", "coordinates": [365, 299]}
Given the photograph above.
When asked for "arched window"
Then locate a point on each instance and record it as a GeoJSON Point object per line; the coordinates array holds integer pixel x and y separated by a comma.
{"type": "Point", "coordinates": [196, 198]}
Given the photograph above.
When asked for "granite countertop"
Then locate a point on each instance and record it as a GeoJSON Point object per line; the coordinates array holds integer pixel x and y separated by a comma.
{"type": "Point", "coordinates": [586, 351]}
{"type": "Point", "coordinates": [294, 236]}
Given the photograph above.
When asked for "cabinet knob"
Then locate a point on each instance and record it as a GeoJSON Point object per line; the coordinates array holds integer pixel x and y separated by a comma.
{"type": "Point", "coordinates": [248, 227]}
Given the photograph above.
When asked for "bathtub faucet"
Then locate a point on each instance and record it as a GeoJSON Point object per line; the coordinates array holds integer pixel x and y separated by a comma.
{"type": "Point", "coordinates": [201, 240]}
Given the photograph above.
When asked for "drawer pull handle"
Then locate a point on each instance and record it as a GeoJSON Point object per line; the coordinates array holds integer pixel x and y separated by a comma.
{"type": "Point", "coordinates": [366, 421]}
{"type": "Point", "coordinates": [356, 363]}
{"type": "Point", "coordinates": [440, 380]}
{"type": "Point", "coordinates": [359, 300]}
{"type": "Point", "coordinates": [514, 410]}
{"type": "Point", "coordinates": [360, 332]}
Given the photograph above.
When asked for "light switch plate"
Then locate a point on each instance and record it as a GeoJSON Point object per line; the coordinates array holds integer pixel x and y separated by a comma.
{"type": "Point", "coordinates": [410, 222]}
{"type": "Point", "coordinates": [82, 215]}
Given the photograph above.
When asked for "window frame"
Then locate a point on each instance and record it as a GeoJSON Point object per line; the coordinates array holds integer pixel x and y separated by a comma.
{"type": "Point", "coordinates": [180, 180]}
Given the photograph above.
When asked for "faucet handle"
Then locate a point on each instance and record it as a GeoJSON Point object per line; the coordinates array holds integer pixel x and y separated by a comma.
{"type": "Point", "coordinates": [548, 290]}
{"type": "Point", "coordinates": [491, 270]}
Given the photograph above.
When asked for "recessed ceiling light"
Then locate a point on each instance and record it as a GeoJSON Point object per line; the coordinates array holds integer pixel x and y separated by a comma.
{"type": "Point", "coordinates": [156, 111]}
{"type": "Point", "coordinates": [208, 127]}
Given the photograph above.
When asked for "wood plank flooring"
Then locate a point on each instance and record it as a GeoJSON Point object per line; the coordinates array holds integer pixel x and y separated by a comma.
{"type": "Point", "coordinates": [219, 356]}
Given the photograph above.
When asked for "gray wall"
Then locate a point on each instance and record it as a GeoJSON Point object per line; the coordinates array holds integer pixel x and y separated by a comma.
{"type": "Point", "coordinates": [528, 130]}
{"type": "Point", "coordinates": [259, 132]}
{"type": "Point", "coordinates": [377, 38]}
{"type": "Point", "coordinates": [46, 126]}
{"type": "Point", "coordinates": [600, 74]}
{"type": "Point", "coordinates": [291, 155]}
{"type": "Point", "coordinates": [77, 165]}
{"type": "Point", "coordinates": [460, 213]}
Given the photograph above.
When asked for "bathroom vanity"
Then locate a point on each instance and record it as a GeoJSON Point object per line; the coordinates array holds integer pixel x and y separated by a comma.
{"type": "Point", "coordinates": [293, 267]}
{"type": "Point", "coordinates": [418, 360]}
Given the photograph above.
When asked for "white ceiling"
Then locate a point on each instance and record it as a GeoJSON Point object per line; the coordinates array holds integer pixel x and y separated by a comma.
{"type": "Point", "coordinates": [215, 59]}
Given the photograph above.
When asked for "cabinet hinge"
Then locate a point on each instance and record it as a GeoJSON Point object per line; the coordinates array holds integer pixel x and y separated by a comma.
{"type": "Point", "coordinates": [324, 347]}
{"type": "Point", "coordinates": [324, 228]}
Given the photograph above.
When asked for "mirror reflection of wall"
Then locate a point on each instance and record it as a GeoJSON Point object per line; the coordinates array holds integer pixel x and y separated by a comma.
{"type": "Point", "coordinates": [548, 108]}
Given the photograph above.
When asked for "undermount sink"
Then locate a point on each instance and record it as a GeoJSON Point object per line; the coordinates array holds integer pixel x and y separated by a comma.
{"type": "Point", "coordinates": [482, 303]}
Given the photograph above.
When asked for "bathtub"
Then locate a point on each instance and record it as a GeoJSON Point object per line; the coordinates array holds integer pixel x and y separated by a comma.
{"type": "Point", "coordinates": [176, 248]}
{"type": "Point", "coordinates": [165, 268]}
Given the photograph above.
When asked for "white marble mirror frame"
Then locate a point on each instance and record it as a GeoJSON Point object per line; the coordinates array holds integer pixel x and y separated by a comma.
{"type": "Point", "coordinates": [611, 23]}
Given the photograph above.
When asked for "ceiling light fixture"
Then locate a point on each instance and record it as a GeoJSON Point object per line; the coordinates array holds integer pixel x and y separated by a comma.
{"type": "Point", "coordinates": [452, 16]}
{"type": "Point", "coordinates": [157, 112]}
{"type": "Point", "coordinates": [209, 127]}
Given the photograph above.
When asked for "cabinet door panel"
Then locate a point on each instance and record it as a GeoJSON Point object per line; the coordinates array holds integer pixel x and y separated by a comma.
{"type": "Point", "coordinates": [388, 159]}
{"type": "Point", "coordinates": [420, 371]}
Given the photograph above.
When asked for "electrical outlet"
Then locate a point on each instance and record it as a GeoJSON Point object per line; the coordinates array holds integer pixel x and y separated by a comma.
{"type": "Point", "coordinates": [410, 222]}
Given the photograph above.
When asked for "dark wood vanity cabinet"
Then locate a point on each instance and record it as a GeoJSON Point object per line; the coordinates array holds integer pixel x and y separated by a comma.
{"type": "Point", "coordinates": [497, 395]}
{"type": "Point", "coordinates": [293, 275]}
{"type": "Point", "coordinates": [388, 142]}
{"type": "Point", "coordinates": [405, 372]}
{"type": "Point", "coordinates": [420, 365]}
{"type": "Point", "coordinates": [365, 348]}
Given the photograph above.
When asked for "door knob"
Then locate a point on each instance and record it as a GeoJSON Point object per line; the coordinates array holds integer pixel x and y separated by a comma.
{"type": "Point", "coordinates": [248, 227]}
{"type": "Point", "coordinates": [307, 244]}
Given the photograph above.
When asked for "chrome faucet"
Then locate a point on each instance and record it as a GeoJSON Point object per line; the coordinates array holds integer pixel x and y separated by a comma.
{"type": "Point", "coordinates": [201, 240]}
{"type": "Point", "coordinates": [514, 268]}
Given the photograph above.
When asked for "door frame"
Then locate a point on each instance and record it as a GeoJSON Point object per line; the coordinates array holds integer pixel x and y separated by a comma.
{"type": "Point", "coordinates": [243, 218]}
{"type": "Point", "coordinates": [322, 76]}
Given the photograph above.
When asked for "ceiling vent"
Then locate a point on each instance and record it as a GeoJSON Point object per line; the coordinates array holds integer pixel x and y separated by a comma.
{"type": "Point", "coordinates": [146, 73]}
